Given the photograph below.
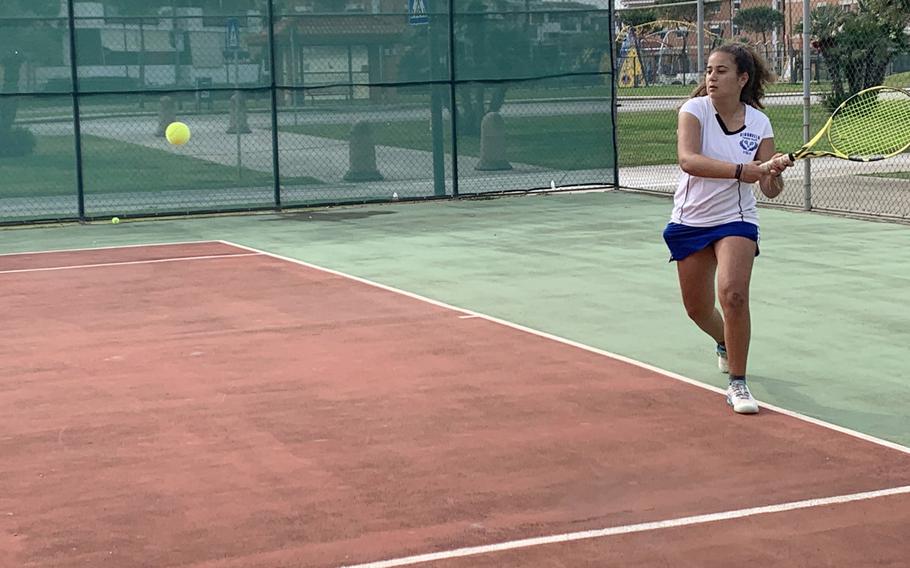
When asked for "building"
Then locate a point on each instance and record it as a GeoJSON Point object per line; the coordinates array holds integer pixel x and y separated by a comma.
{"type": "Point", "coordinates": [778, 46]}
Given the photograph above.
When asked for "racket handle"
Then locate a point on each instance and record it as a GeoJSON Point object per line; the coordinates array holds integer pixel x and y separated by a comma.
{"type": "Point", "coordinates": [766, 167]}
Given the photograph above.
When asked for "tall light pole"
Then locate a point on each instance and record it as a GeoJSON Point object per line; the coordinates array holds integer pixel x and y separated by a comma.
{"type": "Point", "coordinates": [700, 34]}
{"type": "Point", "coordinates": [774, 61]}
{"type": "Point", "coordinates": [176, 43]}
{"type": "Point", "coordinates": [807, 102]}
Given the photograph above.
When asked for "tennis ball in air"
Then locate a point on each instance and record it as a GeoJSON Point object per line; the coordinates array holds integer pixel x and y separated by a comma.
{"type": "Point", "coordinates": [115, 220]}
{"type": "Point", "coordinates": [177, 133]}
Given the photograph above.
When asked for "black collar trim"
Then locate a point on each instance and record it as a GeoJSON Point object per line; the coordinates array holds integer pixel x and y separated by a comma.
{"type": "Point", "coordinates": [724, 126]}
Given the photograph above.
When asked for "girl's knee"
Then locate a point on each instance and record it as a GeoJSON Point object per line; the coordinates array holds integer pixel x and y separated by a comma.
{"type": "Point", "coordinates": [734, 298]}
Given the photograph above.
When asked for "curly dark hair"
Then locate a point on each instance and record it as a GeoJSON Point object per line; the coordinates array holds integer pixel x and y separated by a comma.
{"type": "Point", "coordinates": [747, 61]}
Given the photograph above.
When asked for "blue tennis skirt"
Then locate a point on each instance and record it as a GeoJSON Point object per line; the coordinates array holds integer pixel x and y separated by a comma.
{"type": "Point", "coordinates": [684, 240]}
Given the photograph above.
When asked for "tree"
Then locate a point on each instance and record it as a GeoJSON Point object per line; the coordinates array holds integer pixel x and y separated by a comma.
{"type": "Point", "coordinates": [486, 47]}
{"type": "Point", "coordinates": [759, 20]}
{"type": "Point", "coordinates": [634, 18]}
{"type": "Point", "coordinates": [684, 12]}
{"type": "Point", "coordinates": [22, 40]}
{"type": "Point", "coordinates": [489, 48]}
{"type": "Point", "coordinates": [858, 46]}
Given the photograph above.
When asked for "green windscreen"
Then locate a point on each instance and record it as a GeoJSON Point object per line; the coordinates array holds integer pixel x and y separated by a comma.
{"type": "Point", "coordinates": [297, 102]}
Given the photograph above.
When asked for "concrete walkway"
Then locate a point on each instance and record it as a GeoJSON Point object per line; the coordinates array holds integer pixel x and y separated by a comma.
{"type": "Point", "coordinates": [837, 185]}
{"type": "Point", "coordinates": [406, 172]}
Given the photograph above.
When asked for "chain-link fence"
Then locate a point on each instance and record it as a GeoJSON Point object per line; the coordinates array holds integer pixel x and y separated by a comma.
{"type": "Point", "coordinates": [297, 102]}
{"type": "Point", "coordinates": [851, 47]}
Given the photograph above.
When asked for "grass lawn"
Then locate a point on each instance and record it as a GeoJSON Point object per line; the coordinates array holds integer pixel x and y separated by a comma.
{"type": "Point", "coordinates": [572, 142]}
{"type": "Point", "coordinates": [901, 80]}
{"type": "Point", "coordinates": [891, 175]}
{"type": "Point", "coordinates": [649, 138]}
{"type": "Point", "coordinates": [112, 167]}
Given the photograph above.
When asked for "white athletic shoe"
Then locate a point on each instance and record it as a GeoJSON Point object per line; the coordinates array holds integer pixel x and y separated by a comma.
{"type": "Point", "coordinates": [722, 359]}
{"type": "Point", "coordinates": [739, 397]}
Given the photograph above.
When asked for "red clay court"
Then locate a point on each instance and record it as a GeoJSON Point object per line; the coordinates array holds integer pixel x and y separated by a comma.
{"type": "Point", "coordinates": [206, 405]}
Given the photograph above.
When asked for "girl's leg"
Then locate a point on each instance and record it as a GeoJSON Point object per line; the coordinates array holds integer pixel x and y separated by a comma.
{"type": "Point", "coordinates": [696, 282]}
{"type": "Point", "coordinates": [735, 256]}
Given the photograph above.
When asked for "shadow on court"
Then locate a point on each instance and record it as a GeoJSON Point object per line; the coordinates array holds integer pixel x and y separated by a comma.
{"type": "Point", "coordinates": [334, 215]}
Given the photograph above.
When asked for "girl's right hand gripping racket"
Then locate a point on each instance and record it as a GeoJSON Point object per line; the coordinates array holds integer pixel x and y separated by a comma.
{"type": "Point", "coordinates": [872, 125]}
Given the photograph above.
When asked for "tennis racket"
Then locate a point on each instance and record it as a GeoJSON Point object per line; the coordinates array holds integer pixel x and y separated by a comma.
{"type": "Point", "coordinates": [872, 125]}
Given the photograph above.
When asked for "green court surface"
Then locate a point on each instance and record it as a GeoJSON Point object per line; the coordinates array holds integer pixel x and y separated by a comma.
{"type": "Point", "coordinates": [831, 322]}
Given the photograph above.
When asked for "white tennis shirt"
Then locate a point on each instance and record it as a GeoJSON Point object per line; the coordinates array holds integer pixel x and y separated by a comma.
{"type": "Point", "coordinates": [707, 202]}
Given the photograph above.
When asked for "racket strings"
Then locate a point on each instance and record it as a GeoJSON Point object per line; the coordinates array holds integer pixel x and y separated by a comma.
{"type": "Point", "coordinates": [874, 124]}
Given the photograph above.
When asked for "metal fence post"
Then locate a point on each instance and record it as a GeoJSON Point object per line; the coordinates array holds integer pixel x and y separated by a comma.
{"type": "Point", "coordinates": [700, 35]}
{"type": "Point", "coordinates": [77, 125]}
{"type": "Point", "coordinates": [453, 99]}
{"type": "Point", "coordinates": [439, 174]}
{"type": "Point", "coordinates": [274, 93]}
{"type": "Point", "coordinates": [807, 102]}
{"type": "Point", "coordinates": [614, 95]}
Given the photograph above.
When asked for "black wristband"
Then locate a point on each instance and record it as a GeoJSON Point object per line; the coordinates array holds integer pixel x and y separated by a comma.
{"type": "Point", "coordinates": [739, 171]}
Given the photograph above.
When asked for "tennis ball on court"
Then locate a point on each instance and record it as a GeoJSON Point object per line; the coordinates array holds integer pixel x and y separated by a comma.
{"type": "Point", "coordinates": [115, 220]}
{"type": "Point", "coordinates": [177, 133]}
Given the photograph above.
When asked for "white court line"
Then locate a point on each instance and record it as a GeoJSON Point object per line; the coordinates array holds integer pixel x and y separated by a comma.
{"type": "Point", "coordinates": [128, 263]}
{"type": "Point", "coordinates": [566, 537]}
{"type": "Point", "coordinates": [624, 359]}
{"type": "Point", "coordinates": [626, 529]}
{"type": "Point", "coordinates": [111, 247]}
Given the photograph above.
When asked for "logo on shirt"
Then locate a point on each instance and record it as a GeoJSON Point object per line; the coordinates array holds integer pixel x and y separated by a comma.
{"type": "Point", "coordinates": [748, 142]}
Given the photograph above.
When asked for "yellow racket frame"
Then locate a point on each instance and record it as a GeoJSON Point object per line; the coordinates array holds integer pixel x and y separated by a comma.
{"type": "Point", "coordinates": [806, 150]}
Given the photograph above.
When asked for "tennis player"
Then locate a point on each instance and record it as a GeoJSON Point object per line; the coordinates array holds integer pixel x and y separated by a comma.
{"type": "Point", "coordinates": [723, 138]}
